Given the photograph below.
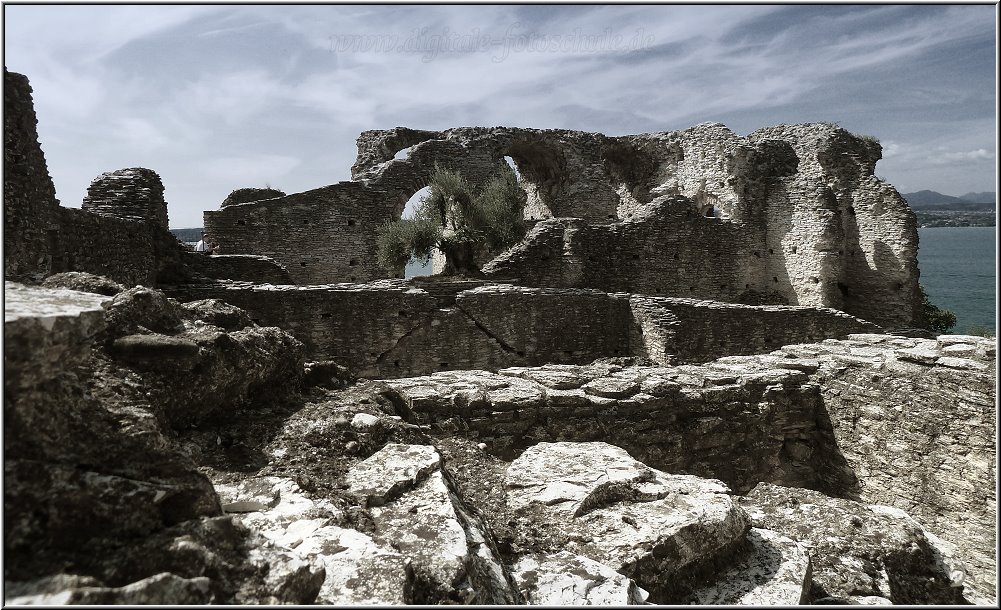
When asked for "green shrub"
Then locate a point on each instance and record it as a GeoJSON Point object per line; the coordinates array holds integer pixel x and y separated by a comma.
{"type": "Point", "coordinates": [454, 219]}
{"type": "Point", "coordinates": [980, 331]}
{"type": "Point", "coordinates": [868, 139]}
{"type": "Point", "coordinates": [932, 317]}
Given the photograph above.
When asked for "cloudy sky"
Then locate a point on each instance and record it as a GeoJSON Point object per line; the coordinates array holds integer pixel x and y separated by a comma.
{"type": "Point", "coordinates": [221, 97]}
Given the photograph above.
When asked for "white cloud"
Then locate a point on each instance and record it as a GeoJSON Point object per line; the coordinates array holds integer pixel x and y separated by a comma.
{"type": "Point", "coordinates": [260, 95]}
{"type": "Point", "coordinates": [139, 134]}
{"type": "Point", "coordinates": [248, 170]}
{"type": "Point", "coordinates": [980, 154]}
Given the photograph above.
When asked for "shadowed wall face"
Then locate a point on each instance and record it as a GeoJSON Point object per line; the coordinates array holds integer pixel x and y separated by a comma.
{"type": "Point", "coordinates": [390, 329]}
{"type": "Point", "coordinates": [29, 197]}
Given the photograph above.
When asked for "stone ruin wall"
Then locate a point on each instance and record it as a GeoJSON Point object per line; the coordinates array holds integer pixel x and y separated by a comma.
{"type": "Point", "coordinates": [238, 267]}
{"type": "Point", "coordinates": [917, 422]}
{"type": "Point", "coordinates": [799, 217]}
{"type": "Point", "coordinates": [908, 423]}
{"type": "Point", "coordinates": [319, 236]}
{"type": "Point", "coordinates": [41, 237]}
{"type": "Point", "coordinates": [122, 250]}
{"type": "Point", "coordinates": [130, 194]}
{"type": "Point", "coordinates": [390, 329]}
{"type": "Point", "coordinates": [119, 232]}
{"type": "Point", "coordinates": [30, 203]}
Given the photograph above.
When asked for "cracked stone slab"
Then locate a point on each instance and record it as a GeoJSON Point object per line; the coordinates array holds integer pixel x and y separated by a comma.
{"type": "Point", "coordinates": [427, 525]}
{"type": "Point", "coordinates": [278, 508]}
{"type": "Point", "coordinates": [391, 471]}
{"type": "Point", "coordinates": [573, 478]}
{"type": "Point", "coordinates": [961, 363]}
{"type": "Point", "coordinates": [614, 387]}
{"type": "Point", "coordinates": [565, 579]}
{"type": "Point", "coordinates": [652, 541]}
{"type": "Point", "coordinates": [160, 589]}
{"type": "Point", "coordinates": [44, 306]}
{"type": "Point", "coordinates": [923, 353]}
{"type": "Point", "coordinates": [553, 376]}
{"type": "Point", "coordinates": [358, 570]}
{"type": "Point", "coordinates": [776, 572]}
{"type": "Point", "coordinates": [642, 523]}
{"type": "Point", "coordinates": [858, 549]}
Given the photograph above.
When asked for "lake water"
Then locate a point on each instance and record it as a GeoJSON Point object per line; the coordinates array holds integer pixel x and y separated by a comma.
{"type": "Point", "coordinates": [958, 271]}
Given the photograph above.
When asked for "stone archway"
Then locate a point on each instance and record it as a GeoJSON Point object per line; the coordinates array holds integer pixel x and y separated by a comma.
{"type": "Point", "coordinates": [540, 171]}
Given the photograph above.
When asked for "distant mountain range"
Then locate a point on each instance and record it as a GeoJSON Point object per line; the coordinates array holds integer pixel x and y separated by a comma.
{"type": "Point", "coordinates": [931, 200]}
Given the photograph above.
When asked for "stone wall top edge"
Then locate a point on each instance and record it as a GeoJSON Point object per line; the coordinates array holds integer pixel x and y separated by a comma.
{"type": "Point", "coordinates": [24, 301]}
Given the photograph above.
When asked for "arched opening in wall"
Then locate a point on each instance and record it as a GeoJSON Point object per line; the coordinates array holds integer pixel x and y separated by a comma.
{"type": "Point", "coordinates": [541, 173]}
{"type": "Point", "coordinates": [403, 153]}
{"type": "Point", "coordinates": [514, 167]}
{"type": "Point", "coordinates": [415, 267]}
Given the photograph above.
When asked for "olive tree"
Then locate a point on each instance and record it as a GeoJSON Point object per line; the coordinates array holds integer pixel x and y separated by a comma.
{"type": "Point", "coordinates": [455, 220]}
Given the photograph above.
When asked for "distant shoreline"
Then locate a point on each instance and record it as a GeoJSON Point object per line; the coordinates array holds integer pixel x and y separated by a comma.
{"type": "Point", "coordinates": [928, 219]}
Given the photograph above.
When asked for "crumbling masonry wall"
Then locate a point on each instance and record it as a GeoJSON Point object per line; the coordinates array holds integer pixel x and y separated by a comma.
{"type": "Point", "coordinates": [121, 232]}
{"type": "Point", "coordinates": [123, 250]}
{"type": "Point", "coordinates": [238, 267]}
{"type": "Point", "coordinates": [796, 215]}
{"type": "Point", "coordinates": [318, 236]}
{"type": "Point", "coordinates": [391, 329]}
{"type": "Point", "coordinates": [881, 419]}
{"type": "Point", "coordinates": [29, 198]}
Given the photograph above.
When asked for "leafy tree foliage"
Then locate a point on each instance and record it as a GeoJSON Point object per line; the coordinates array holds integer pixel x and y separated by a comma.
{"type": "Point", "coordinates": [932, 317]}
{"type": "Point", "coordinates": [456, 221]}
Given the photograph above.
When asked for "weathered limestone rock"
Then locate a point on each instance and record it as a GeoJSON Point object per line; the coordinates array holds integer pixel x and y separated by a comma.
{"type": "Point", "coordinates": [359, 571]}
{"type": "Point", "coordinates": [859, 550]}
{"type": "Point", "coordinates": [90, 479]}
{"type": "Point", "coordinates": [217, 313]}
{"type": "Point", "coordinates": [64, 451]}
{"type": "Point", "coordinates": [84, 282]}
{"type": "Point", "coordinates": [775, 572]}
{"type": "Point", "coordinates": [142, 309]}
{"type": "Point", "coordinates": [564, 579]}
{"type": "Point", "coordinates": [243, 566]}
{"type": "Point", "coordinates": [647, 525]}
{"type": "Point", "coordinates": [190, 369]}
{"type": "Point", "coordinates": [451, 556]}
{"type": "Point", "coordinates": [164, 588]}
{"type": "Point", "coordinates": [394, 469]}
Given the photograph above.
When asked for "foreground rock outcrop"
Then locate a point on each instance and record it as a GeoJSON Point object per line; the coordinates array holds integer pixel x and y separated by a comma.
{"type": "Point", "coordinates": [611, 447]}
{"type": "Point", "coordinates": [159, 452]}
{"type": "Point", "coordinates": [97, 497]}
